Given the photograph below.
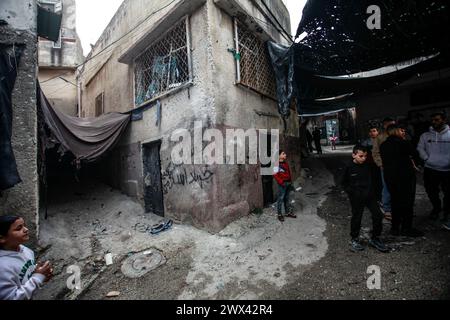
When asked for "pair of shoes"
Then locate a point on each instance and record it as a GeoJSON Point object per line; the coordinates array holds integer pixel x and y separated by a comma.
{"type": "Point", "coordinates": [280, 217]}
{"type": "Point", "coordinates": [412, 233]}
{"type": "Point", "coordinates": [446, 226]}
{"type": "Point", "coordinates": [163, 226]}
{"type": "Point", "coordinates": [291, 215]}
{"type": "Point", "coordinates": [356, 246]}
{"type": "Point", "coordinates": [379, 245]}
{"type": "Point", "coordinates": [388, 216]}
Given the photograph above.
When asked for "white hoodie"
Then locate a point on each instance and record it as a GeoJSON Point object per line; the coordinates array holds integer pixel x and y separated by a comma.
{"type": "Point", "coordinates": [17, 281]}
{"type": "Point", "coordinates": [434, 149]}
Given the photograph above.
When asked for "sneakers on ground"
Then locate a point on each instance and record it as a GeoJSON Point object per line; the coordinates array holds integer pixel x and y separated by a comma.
{"type": "Point", "coordinates": [379, 245]}
{"type": "Point", "coordinates": [291, 215]}
{"type": "Point", "coordinates": [388, 216]}
{"type": "Point", "coordinates": [356, 246]}
{"type": "Point", "coordinates": [280, 217]}
{"type": "Point", "coordinates": [413, 233]}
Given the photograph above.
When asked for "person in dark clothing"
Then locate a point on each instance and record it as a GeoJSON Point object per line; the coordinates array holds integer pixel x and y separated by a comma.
{"type": "Point", "coordinates": [309, 139]}
{"type": "Point", "coordinates": [317, 135]}
{"type": "Point", "coordinates": [357, 182]}
{"type": "Point", "coordinates": [282, 175]}
{"type": "Point", "coordinates": [398, 156]}
{"type": "Point", "coordinates": [376, 173]}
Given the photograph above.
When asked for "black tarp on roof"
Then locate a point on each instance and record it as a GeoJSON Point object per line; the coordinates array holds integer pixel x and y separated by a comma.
{"type": "Point", "coordinates": [340, 43]}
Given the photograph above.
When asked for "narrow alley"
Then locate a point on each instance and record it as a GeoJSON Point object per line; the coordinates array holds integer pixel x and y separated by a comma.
{"type": "Point", "coordinates": [256, 257]}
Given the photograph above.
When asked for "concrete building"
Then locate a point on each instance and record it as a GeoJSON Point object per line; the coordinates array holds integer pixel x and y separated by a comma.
{"type": "Point", "coordinates": [177, 62]}
{"type": "Point", "coordinates": [58, 61]}
{"type": "Point", "coordinates": [18, 28]}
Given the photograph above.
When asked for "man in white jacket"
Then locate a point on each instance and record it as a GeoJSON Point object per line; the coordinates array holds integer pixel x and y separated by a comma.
{"type": "Point", "coordinates": [20, 277]}
{"type": "Point", "coordinates": [434, 149]}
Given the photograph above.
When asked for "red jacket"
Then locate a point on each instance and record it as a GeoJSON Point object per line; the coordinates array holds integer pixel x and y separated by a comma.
{"type": "Point", "coordinates": [282, 173]}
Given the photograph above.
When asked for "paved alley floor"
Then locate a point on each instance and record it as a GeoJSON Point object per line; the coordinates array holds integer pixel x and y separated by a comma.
{"type": "Point", "coordinates": [256, 257]}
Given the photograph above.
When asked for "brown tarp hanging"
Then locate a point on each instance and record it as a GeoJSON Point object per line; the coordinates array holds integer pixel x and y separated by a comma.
{"type": "Point", "coordinates": [88, 139]}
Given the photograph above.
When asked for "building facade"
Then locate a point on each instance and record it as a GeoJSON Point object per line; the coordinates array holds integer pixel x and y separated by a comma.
{"type": "Point", "coordinates": [18, 31]}
{"type": "Point", "coordinates": [192, 65]}
{"type": "Point", "coordinates": [58, 61]}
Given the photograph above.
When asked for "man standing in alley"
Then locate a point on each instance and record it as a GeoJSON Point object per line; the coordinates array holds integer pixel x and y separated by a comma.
{"type": "Point", "coordinates": [317, 135]}
{"type": "Point", "coordinates": [434, 149]}
{"type": "Point", "coordinates": [385, 195]}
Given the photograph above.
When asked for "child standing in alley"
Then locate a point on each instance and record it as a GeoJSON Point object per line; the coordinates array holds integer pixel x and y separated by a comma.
{"type": "Point", "coordinates": [357, 182]}
{"type": "Point", "coordinates": [20, 277]}
{"type": "Point", "coordinates": [282, 175]}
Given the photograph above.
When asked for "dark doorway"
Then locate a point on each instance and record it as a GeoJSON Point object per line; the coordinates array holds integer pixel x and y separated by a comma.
{"type": "Point", "coordinates": [153, 194]}
{"type": "Point", "coordinates": [267, 181]}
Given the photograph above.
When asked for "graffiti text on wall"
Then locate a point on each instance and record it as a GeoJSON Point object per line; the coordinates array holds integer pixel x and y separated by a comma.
{"type": "Point", "coordinates": [179, 175]}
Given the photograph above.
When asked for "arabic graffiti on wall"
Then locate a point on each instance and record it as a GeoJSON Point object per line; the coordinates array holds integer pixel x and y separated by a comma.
{"type": "Point", "coordinates": [179, 175]}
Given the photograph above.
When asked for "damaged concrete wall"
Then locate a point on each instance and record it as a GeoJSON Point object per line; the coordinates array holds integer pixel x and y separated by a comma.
{"type": "Point", "coordinates": [57, 65]}
{"type": "Point", "coordinates": [20, 29]}
{"type": "Point", "coordinates": [208, 197]}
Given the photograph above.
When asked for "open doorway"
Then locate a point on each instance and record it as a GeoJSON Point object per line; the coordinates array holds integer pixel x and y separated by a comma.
{"type": "Point", "coordinates": [153, 193]}
{"type": "Point", "coordinates": [267, 181]}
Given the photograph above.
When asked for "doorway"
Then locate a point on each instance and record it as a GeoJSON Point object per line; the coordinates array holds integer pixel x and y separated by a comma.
{"type": "Point", "coordinates": [267, 181]}
{"type": "Point", "coordinates": [153, 193]}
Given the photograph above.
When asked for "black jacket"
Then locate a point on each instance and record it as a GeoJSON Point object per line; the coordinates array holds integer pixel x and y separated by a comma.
{"type": "Point", "coordinates": [397, 156]}
{"type": "Point", "coordinates": [357, 178]}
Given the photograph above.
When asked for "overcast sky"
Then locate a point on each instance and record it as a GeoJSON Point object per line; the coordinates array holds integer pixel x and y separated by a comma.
{"type": "Point", "coordinates": [94, 15]}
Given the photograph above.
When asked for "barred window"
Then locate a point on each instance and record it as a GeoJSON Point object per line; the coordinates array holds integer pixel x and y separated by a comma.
{"type": "Point", "coordinates": [165, 66]}
{"type": "Point", "coordinates": [254, 69]}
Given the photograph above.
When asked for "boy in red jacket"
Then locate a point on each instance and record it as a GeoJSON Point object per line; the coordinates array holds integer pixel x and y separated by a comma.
{"type": "Point", "coordinates": [282, 175]}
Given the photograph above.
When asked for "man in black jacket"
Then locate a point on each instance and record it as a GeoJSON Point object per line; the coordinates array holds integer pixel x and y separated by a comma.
{"type": "Point", "coordinates": [357, 182]}
{"type": "Point", "coordinates": [399, 168]}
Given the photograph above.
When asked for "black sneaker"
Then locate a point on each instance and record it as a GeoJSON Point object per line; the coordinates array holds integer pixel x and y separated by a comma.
{"type": "Point", "coordinates": [413, 233]}
{"type": "Point", "coordinates": [280, 217]}
{"type": "Point", "coordinates": [379, 245]}
{"type": "Point", "coordinates": [356, 246]}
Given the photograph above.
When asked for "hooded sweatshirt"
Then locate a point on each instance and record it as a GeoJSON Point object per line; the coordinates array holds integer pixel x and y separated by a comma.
{"type": "Point", "coordinates": [434, 149]}
{"type": "Point", "coordinates": [17, 281]}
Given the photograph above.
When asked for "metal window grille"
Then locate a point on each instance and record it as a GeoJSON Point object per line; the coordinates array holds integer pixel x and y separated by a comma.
{"type": "Point", "coordinates": [165, 66]}
{"type": "Point", "coordinates": [254, 69]}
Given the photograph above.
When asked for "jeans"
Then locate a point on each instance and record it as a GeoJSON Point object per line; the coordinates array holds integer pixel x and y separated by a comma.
{"type": "Point", "coordinates": [435, 181]}
{"type": "Point", "coordinates": [359, 201]}
{"type": "Point", "coordinates": [283, 198]}
{"type": "Point", "coordinates": [385, 195]}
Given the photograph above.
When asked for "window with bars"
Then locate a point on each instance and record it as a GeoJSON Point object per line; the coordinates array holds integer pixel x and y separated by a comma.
{"type": "Point", "coordinates": [254, 69]}
{"type": "Point", "coordinates": [165, 66]}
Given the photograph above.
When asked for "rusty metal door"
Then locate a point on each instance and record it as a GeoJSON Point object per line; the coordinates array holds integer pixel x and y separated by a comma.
{"type": "Point", "coordinates": [153, 193]}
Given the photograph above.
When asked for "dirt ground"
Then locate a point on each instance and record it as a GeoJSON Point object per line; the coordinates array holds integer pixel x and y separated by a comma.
{"type": "Point", "coordinates": [416, 269]}
{"type": "Point", "coordinates": [256, 257]}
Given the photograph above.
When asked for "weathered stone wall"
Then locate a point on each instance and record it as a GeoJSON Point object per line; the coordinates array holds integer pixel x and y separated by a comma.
{"type": "Point", "coordinates": [23, 199]}
{"type": "Point", "coordinates": [208, 197]}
